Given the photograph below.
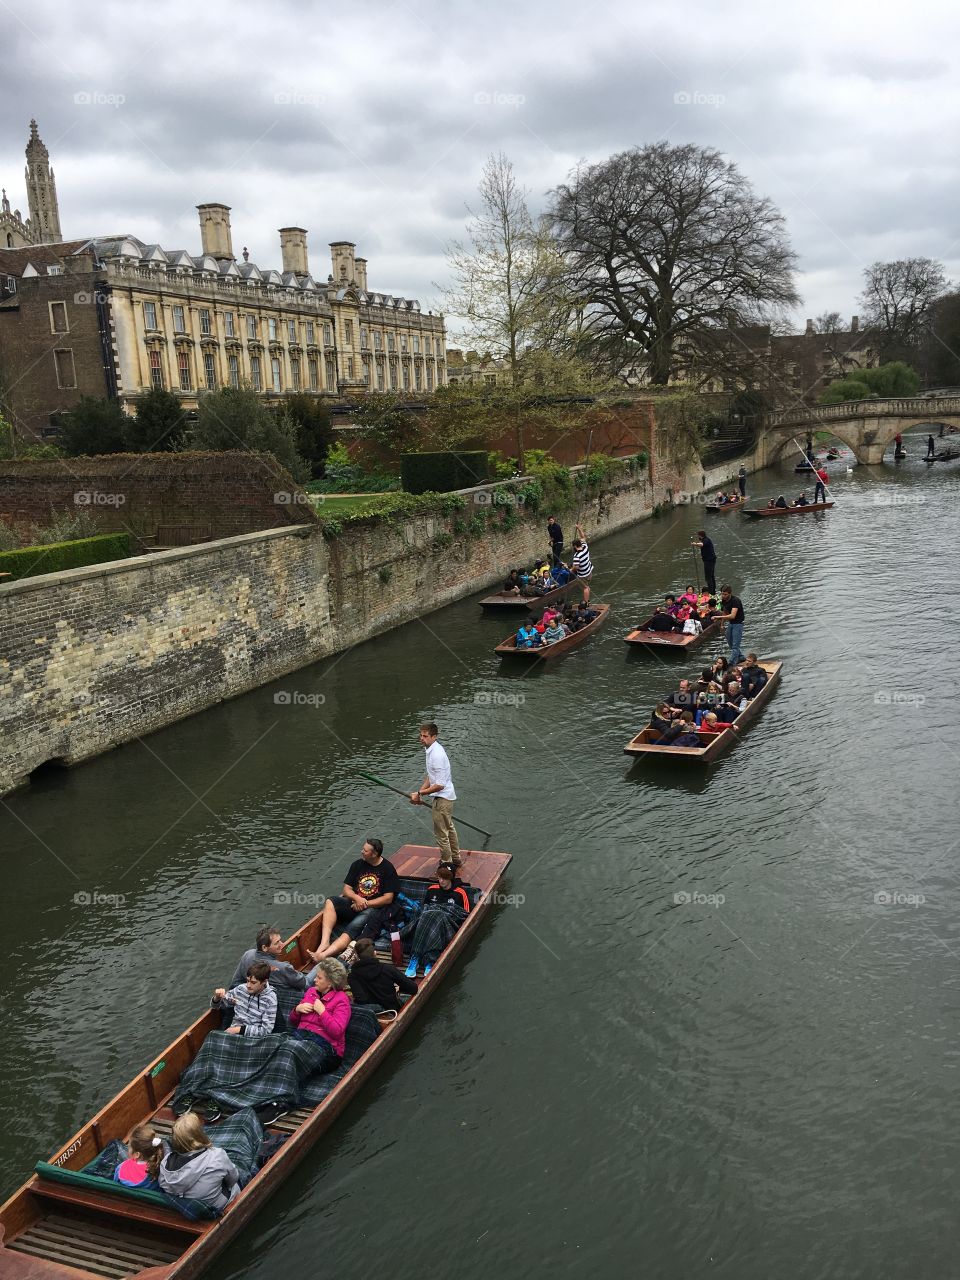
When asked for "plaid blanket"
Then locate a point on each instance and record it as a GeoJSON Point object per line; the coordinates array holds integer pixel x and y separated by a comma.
{"type": "Point", "coordinates": [235, 1072]}
{"type": "Point", "coordinates": [362, 1029]}
{"type": "Point", "coordinates": [437, 924]}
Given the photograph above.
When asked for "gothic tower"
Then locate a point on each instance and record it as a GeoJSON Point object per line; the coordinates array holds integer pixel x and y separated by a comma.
{"type": "Point", "coordinates": [41, 192]}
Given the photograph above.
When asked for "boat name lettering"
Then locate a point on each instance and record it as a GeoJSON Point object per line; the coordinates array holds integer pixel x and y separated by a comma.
{"type": "Point", "coordinates": [157, 1069]}
{"type": "Point", "coordinates": [64, 1156]}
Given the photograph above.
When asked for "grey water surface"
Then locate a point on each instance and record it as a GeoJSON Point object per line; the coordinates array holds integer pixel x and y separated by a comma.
{"type": "Point", "coordinates": [716, 1032]}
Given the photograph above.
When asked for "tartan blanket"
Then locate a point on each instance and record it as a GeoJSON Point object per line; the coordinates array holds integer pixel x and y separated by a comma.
{"type": "Point", "coordinates": [437, 924]}
{"type": "Point", "coordinates": [235, 1072]}
{"type": "Point", "coordinates": [362, 1029]}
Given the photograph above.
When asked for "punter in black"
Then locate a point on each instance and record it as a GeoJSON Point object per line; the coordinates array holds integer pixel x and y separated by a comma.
{"type": "Point", "coordinates": [708, 555]}
{"type": "Point", "coordinates": [555, 534]}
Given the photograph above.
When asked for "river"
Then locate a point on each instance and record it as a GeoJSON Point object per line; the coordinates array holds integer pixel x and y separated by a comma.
{"type": "Point", "coordinates": [752, 1081]}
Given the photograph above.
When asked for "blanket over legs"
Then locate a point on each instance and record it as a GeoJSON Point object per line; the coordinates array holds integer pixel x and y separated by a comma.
{"type": "Point", "coordinates": [235, 1072]}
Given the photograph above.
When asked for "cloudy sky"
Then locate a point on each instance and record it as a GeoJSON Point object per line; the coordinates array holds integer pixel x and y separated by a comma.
{"type": "Point", "coordinates": [371, 122]}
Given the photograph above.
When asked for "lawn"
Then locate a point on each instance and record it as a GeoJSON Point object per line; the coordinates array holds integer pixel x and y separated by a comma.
{"type": "Point", "coordinates": [339, 504]}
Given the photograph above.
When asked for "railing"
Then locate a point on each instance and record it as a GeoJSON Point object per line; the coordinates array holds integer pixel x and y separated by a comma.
{"type": "Point", "coordinates": [912, 406]}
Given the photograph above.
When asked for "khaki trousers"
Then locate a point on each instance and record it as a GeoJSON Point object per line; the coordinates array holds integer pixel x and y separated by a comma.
{"type": "Point", "coordinates": [444, 831]}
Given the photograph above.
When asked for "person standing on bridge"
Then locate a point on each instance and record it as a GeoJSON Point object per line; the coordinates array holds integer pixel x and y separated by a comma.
{"type": "Point", "coordinates": [820, 492]}
{"type": "Point", "coordinates": [708, 554]}
{"type": "Point", "coordinates": [439, 784]}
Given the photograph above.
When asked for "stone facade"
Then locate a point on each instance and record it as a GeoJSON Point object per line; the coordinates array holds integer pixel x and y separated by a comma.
{"type": "Point", "coordinates": [96, 657]}
{"type": "Point", "coordinates": [43, 224]}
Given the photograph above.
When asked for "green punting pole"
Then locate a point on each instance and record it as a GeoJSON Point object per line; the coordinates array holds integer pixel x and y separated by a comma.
{"type": "Point", "coordinates": [380, 783]}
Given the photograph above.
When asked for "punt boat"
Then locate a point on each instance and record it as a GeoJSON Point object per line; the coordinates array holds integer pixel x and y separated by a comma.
{"type": "Point", "coordinates": [761, 513]}
{"type": "Point", "coordinates": [712, 744]}
{"type": "Point", "coordinates": [504, 600]}
{"type": "Point", "coordinates": [672, 641]}
{"type": "Point", "coordinates": [66, 1225]}
{"type": "Point", "coordinates": [508, 649]}
{"type": "Point", "coordinates": [724, 508]}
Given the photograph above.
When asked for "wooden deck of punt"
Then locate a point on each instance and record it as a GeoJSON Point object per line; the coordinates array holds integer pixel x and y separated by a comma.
{"type": "Point", "coordinates": [714, 744]}
{"type": "Point", "coordinates": [761, 513]}
{"type": "Point", "coordinates": [674, 640]}
{"type": "Point", "coordinates": [508, 649]}
{"type": "Point", "coordinates": [723, 508]}
{"type": "Point", "coordinates": [49, 1230]}
{"type": "Point", "coordinates": [502, 600]}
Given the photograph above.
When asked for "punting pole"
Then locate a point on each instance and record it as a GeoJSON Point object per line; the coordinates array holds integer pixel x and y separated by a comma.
{"type": "Point", "coordinates": [826, 487]}
{"type": "Point", "coordinates": [397, 791]}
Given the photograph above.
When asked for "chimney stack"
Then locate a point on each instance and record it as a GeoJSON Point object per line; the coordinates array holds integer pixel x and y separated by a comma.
{"type": "Point", "coordinates": [293, 250]}
{"type": "Point", "coordinates": [215, 238]}
{"type": "Point", "coordinates": [854, 324]}
{"type": "Point", "coordinates": [344, 266]}
{"type": "Point", "coordinates": [809, 329]}
{"type": "Point", "coordinates": [361, 266]}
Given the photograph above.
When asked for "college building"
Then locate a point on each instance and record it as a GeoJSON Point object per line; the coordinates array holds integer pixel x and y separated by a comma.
{"type": "Point", "coordinates": [113, 316]}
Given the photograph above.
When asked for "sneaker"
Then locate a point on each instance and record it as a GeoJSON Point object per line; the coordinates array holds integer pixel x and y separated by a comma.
{"type": "Point", "coordinates": [411, 969]}
{"type": "Point", "coordinates": [426, 969]}
{"type": "Point", "coordinates": [270, 1113]}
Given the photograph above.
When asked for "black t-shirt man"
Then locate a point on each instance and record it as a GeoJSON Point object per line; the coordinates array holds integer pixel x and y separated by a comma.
{"type": "Point", "coordinates": [708, 552]}
{"type": "Point", "coordinates": [662, 622]}
{"type": "Point", "coordinates": [734, 605]}
{"type": "Point", "coordinates": [371, 882]}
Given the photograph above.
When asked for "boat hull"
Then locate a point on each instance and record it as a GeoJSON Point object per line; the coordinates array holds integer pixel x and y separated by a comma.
{"type": "Point", "coordinates": [762, 513]}
{"type": "Point", "coordinates": [671, 641]}
{"type": "Point", "coordinates": [508, 649]}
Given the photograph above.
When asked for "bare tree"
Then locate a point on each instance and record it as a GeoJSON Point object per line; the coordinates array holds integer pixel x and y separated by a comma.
{"type": "Point", "coordinates": [896, 300]}
{"type": "Point", "coordinates": [505, 277]}
{"type": "Point", "coordinates": [663, 243]}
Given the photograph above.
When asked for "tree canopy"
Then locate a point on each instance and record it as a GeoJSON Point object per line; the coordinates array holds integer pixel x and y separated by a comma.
{"type": "Point", "coordinates": [896, 300]}
{"type": "Point", "coordinates": [893, 379]}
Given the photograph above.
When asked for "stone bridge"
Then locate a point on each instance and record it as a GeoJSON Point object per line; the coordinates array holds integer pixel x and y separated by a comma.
{"type": "Point", "coordinates": [865, 426]}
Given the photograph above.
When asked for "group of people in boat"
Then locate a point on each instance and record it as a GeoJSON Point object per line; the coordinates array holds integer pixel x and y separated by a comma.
{"type": "Point", "coordinates": [801, 500]}
{"type": "Point", "coordinates": [555, 623]}
{"type": "Point", "coordinates": [552, 571]}
{"type": "Point", "coordinates": [689, 612]}
{"type": "Point", "coordinates": [725, 499]}
{"type": "Point", "coordinates": [706, 705]}
{"type": "Point", "coordinates": [346, 972]}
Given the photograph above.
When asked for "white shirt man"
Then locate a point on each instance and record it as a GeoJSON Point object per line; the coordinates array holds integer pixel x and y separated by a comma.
{"type": "Point", "coordinates": [438, 784]}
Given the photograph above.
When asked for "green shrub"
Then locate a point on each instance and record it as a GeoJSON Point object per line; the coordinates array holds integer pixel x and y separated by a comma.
{"type": "Point", "coordinates": [443, 472]}
{"type": "Point", "coordinates": [30, 562]}
{"type": "Point", "coordinates": [384, 574]}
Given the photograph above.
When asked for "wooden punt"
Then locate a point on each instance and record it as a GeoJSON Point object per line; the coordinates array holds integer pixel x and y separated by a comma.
{"type": "Point", "coordinates": [503, 600]}
{"type": "Point", "coordinates": [724, 508]}
{"type": "Point", "coordinates": [508, 649]}
{"type": "Point", "coordinates": [674, 641]}
{"type": "Point", "coordinates": [714, 744]}
{"type": "Point", "coordinates": [49, 1230]}
{"type": "Point", "coordinates": [761, 513]}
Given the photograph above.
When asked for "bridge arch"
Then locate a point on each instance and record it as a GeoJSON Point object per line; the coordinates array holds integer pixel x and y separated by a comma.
{"type": "Point", "coordinates": [866, 427]}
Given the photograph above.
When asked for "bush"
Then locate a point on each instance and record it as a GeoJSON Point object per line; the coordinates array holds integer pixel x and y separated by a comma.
{"type": "Point", "coordinates": [233, 418]}
{"type": "Point", "coordinates": [29, 562]}
{"type": "Point", "coordinates": [343, 475]}
{"type": "Point", "coordinates": [443, 472]}
{"type": "Point", "coordinates": [93, 426]}
{"type": "Point", "coordinates": [159, 426]}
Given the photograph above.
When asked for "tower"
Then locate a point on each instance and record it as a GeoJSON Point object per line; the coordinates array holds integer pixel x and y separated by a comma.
{"type": "Point", "coordinates": [41, 191]}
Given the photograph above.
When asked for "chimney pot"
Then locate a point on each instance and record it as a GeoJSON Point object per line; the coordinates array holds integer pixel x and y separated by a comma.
{"type": "Point", "coordinates": [293, 250]}
{"type": "Point", "coordinates": [809, 328]}
{"type": "Point", "coordinates": [360, 265]}
{"type": "Point", "coordinates": [215, 236]}
{"type": "Point", "coordinates": [854, 324]}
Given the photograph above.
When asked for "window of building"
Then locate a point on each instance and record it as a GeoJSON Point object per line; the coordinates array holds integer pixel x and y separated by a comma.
{"type": "Point", "coordinates": [291, 330]}
{"type": "Point", "coordinates": [366, 372]}
{"type": "Point", "coordinates": [331, 374]}
{"type": "Point", "coordinates": [183, 369]}
{"type": "Point", "coordinates": [311, 333]}
{"type": "Point", "coordinates": [391, 342]}
{"type": "Point", "coordinates": [11, 284]}
{"type": "Point", "coordinates": [429, 377]}
{"type": "Point", "coordinates": [272, 330]}
{"type": "Point", "coordinates": [54, 269]}
{"type": "Point", "coordinates": [350, 367]}
{"type": "Point", "coordinates": [379, 375]}
{"type": "Point", "coordinates": [150, 315]}
{"type": "Point", "coordinates": [275, 373]}
{"type": "Point", "coordinates": [205, 321]}
{"type": "Point", "coordinates": [210, 370]}
{"type": "Point", "coordinates": [426, 346]}
{"type": "Point", "coordinates": [406, 377]}
{"type": "Point", "coordinates": [295, 374]}
{"type": "Point", "coordinates": [66, 373]}
{"type": "Point", "coordinates": [363, 338]}
{"type": "Point", "coordinates": [377, 340]}
{"type": "Point", "coordinates": [178, 320]}
{"type": "Point", "coordinates": [403, 342]}
{"type": "Point", "coordinates": [418, 376]}
{"type": "Point", "coordinates": [416, 346]}
{"type": "Point", "coordinates": [156, 371]}
{"type": "Point", "coordinates": [251, 328]}
{"type": "Point", "coordinates": [348, 332]}
{"type": "Point", "coordinates": [328, 335]}
{"type": "Point", "coordinates": [228, 326]}
{"type": "Point", "coordinates": [58, 318]}
{"type": "Point", "coordinates": [255, 379]}
{"type": "Point", "coordinates": [233, 364]}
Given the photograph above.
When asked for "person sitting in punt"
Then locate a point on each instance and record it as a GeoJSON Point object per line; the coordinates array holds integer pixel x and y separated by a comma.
{"type": "Point", "coordinates": [372, 981]}
{"type": "Point", "coordinates": [586, 612]}
{"type": "Point", "coordinates": [802, 499]}
{"type": "Point", "coordinates": [661, 620]}
{"type": "Point", "coordinates": [511, 586]}
{"type": "Point", "coordinates": [684, 697]}
{"type": "Point", "coordinates": [732, 705]}
{"type": "Point", "coordinates": [366, 905]}
{"type": "Point", "coordinates": [570, 618]}
{"type": "Point", "coordinates": [706, 611]}
{"type": "Point", "coordinates": [269, 950]}
{"type": "Point", "coordinates": [687, 737]}
{"type": "Point", "coordinates": [561, 574]}
{"type": "Point", "coordinates": [324, 1012]}
{"type": "Point", "coordinates": [771, 503]}
{"type": "Point", "coordinates": [254, 1002]}
{"type": "Point", "coordinates": [692, 626]}
{"type": "Point", "coordinates": [671, 604]}
{"type": "Point", "coordinates": [528, 637]}
{"type": "Point", "coordinates": [661, 717]}
{"type": "Point", "coordinates": [197, 1170]}
{"type": "Point", "coordinates": [690, 596]}
{"type": "Point", "coordinates": [781, 501]}
{"type": "Point", "coordinates": [706, 683]}
{"type": "Point", "coordinates": [550, 613]}
{"type": "Point", "coordinates": [445, 907]}
{"type": "Point", "coordinates": [554, 631]}
{"type": "Point", "coordinates": [710, 723]}
{"type": "Point", "coordinates": [142, 1165]}
{"type": "Point", "coordinates": [752, 676]}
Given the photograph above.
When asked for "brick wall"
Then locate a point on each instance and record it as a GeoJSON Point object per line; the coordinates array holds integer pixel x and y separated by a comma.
{"type": "Point", "coordinates": [95, 657]}
{"type": "Point", "coordinates": [225, 493]}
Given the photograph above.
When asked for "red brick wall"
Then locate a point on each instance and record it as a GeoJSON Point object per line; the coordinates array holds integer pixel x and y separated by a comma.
{"type": "Point", "coordinates": [226, 493]}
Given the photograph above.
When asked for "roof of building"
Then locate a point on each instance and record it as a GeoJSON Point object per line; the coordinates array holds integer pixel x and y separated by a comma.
{"type": "Point", "coordinates": [13, 262]}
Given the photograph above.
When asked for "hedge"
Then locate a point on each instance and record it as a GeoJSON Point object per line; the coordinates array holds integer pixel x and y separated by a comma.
{"type": "Point", "coordinates": [29, 562]}
{"type": "Point", "coordinates": [443, 472]}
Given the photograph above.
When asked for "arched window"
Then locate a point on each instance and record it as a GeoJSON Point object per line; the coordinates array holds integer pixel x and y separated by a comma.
{"type": "Point", "coordinates": [9, 240]}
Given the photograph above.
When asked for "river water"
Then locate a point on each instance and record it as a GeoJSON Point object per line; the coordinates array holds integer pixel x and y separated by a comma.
{"type": "Point", "coordinates": [755, 1080]}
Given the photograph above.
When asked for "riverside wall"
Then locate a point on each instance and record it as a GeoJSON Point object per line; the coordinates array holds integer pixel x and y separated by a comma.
{"type": "Point", "coordinates": [95, 657]}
